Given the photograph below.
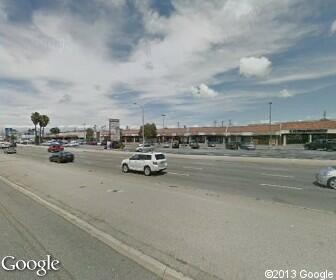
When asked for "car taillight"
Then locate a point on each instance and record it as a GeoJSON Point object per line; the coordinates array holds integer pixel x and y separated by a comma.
{"type": "Point", "coordinates": [155, 163]}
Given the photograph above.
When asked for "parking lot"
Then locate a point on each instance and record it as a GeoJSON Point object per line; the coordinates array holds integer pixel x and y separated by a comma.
{"type": "Point", "coordinates": [290, 151]}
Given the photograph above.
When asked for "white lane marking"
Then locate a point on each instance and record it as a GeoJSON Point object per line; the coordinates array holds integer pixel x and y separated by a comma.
{"type": "Point", "coordinates": [192, 167]}
{"type": "Point", "coordinates": [274, 169]}
{"type": "Point", "coordinates": [277, 175]}
{"type": "Point", "coordinates": [181, 174]}
{"type": "Point", "coordinates": [282, 187]}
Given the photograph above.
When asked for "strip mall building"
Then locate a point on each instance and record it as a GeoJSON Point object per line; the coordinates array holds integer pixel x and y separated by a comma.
{"type": "Point", "coordinates": [261, 134]}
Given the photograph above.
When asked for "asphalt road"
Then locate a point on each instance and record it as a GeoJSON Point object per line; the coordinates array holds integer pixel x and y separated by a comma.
{"type": "Point", "coordinates": [286, 183]}
{"type": "Point", "coordinates": [31, 232]}
{"type": "Point", "coordinates": [208, 217]}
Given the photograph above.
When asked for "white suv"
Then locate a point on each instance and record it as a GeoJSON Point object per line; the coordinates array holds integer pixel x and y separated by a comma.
{"type": "Point", "coordinates": [145, 162]}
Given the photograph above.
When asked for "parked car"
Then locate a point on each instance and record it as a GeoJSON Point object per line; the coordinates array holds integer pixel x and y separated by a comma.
{"type": "Point", "coordinates": [327, 177]}
{"type": "Point", "coordinates": [61, 157]}
{"type": "Point", "coordinates": [175, 145]}
{"type": "Point", "coordinates": [211, 144]}
{"type": "Point", "coordinates": [320, 144]}
{"type": "Point", "coordinates": [72, 143]}
{"type": "Point", "coordinates": [145, 162]}
{"type": "Point", "coordinates": [55, 148]}
{"type": "Point", "coordinates": [247, 146]}
{"type": "Point", "coordinates": [26, 142]}
{"type": "Point", "coordinates": [232, 146]}
{"type": "Point", "coordinates": [144, 148]}
{"type": "Point", "coordinates": [51, 143]}
{"type": "Point", "coordinates": [10, 150]}
{"type": "Point", "coordinates": [166, 145]}
{"type": "Point", "coordinates": [331, 145]}
{"type": "Point", "coordinates": [5, 145]}
{"type": "Point", "coordinates": [194, 145]}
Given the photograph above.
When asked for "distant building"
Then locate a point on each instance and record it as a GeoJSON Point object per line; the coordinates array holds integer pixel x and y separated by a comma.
{"type": "Point", "coordinates": [296, 132]}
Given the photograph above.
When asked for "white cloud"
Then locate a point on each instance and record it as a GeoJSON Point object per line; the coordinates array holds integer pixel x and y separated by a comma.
{"type": "Point", "coordinates": [194, 44]}
{"type": "Point", "coordinates": [203, 91]}
{"type": "Point", "coordinates": [317, 74]}
{"type": "Point", "coordinates": [254, 66]}
{"type": "Point", "coordinates": [285, 93]}
{"type": "Point", "coordinates": [333, 27]}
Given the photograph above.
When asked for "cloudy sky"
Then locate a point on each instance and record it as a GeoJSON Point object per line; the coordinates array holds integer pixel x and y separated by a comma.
{"type": "Point", "coordinates": [195, 61]}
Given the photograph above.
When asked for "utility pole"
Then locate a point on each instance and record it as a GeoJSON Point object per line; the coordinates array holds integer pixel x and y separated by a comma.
{"type": "Point", "coordinates": [143, 122]}
{"type": "Point", "coordinates": [215, 123]}
{"type": "Point", "coordinates": [222, 123]}
{"type": "Point", "coordinates": [84, 125]}
{"type": "Point", "coordinates": [163, 120]}
{"type": "Point", "coordinates": [270, 122]}
{"type": "Point", "coordinates": [178, 124]}
{"type": "Point", "coordinates": [95, 131]}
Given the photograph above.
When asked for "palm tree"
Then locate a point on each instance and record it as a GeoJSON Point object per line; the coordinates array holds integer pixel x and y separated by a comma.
{"type": "Point", "coordinates": [43, 122]}
{"type": "Point", "coordinates": [35, 118]}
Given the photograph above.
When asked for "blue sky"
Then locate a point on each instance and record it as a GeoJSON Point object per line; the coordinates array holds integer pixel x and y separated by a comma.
{"type": "Point", "coordinates": [194, 61]}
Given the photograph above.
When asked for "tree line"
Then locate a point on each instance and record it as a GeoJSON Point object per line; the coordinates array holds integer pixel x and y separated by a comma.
{"type": "Point", "coordinates": [42, 121]}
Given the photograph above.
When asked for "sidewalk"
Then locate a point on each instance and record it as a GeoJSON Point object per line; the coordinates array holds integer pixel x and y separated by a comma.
{"type": "Point", "coordinates": [205, 236]}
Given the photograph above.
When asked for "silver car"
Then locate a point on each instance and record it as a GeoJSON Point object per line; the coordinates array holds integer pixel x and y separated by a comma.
{"type": "Point", "coordinates": [327, 177]}
{"type": "Point", "coordinates": [146, 148]}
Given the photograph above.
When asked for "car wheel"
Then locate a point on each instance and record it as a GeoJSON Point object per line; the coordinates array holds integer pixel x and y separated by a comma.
{"type": "Point", "coordinates": [147, 171]}
{"type": "Point", "coordinates": [59, 160]}
{"type": "Point", "coordinates": [332, 183]}
{"type": "Point", "coordinates": [125, 168]}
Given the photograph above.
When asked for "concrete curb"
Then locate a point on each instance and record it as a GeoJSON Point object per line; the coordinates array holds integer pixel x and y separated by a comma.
{"type": "Point", "coordinates": [149, 263]}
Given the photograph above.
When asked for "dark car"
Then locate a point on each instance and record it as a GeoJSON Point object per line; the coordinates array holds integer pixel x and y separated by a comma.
{"type": "Point", "coordinates": [61, 157]}
{"type": "Point", "coordinates": [211, 144]}
{"type": "Point", "coordinates": [331, 145]}
{"type": "Point", "coordinates": [232, 146]}
{"type": "Point", "coordinates": [194, 145]}
{"type": "Point", "coordinates": [247, 146]}
{"type": "Point", "coordinates": [55, 149]}
{"type": "Point", "coordinates": [321, 144]}
{"type": "Point", "coordinates": [113, 145]}
{"type": "Point", "coordinates": [10, 150]}
{"type": "Point", "coordinates": [175, 145]}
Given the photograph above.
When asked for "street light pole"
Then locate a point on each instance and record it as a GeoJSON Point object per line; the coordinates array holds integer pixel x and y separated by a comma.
{"type": "Point", "coordinates": [143, 125]}
{"type": "Point", "coordinates": [143, 122]}
{"type": "Point", "coordinates": [84, 125]}
{"type": "Point", "coordinates": [163, 120]}
{"type": "Point", "coordinates": [270, 122]}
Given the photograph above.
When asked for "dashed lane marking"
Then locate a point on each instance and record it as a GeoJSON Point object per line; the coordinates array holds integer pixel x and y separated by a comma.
{"type": "Point", "coordinates": [277, 175]}
{"type": "Point", "coordinates": [281, 187]}
{"type": "Point", "coordinates": [180, 174]}
{"type": "Point", "coordinates": [192, 167]}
